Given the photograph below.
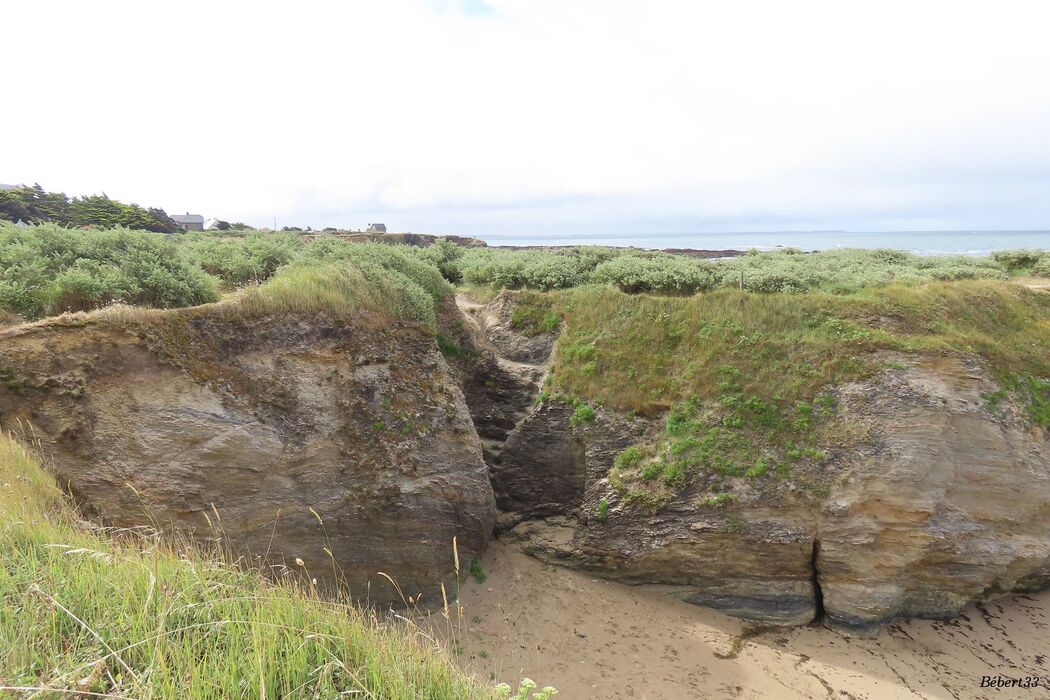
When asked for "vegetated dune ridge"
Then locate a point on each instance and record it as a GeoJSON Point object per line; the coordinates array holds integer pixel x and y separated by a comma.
{"type": "Point", "coordinates": [592, 638]}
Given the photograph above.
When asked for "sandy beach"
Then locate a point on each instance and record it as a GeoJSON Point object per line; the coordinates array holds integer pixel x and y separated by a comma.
{"type": "Point", "coordinates": [596, 639]}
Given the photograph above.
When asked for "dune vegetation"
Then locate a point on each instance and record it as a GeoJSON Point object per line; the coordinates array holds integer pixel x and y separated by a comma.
{"type": "Point", "coordinates": [744, 381]}
{"type": "Point", "coordinates": [47, 269]}
{"type": "Point", "coordinates": [787, 270]}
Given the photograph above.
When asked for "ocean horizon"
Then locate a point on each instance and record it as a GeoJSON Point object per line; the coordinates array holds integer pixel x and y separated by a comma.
{"type": "Point", "coordinates": [972, 243]}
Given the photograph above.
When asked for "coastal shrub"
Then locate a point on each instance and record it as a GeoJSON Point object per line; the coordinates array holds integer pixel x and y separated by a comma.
{"type": "Point", "coordinates": [84, 615]}
{"type": "Point", "coordinates": [1042, 266]}
{"type": "Point", "coordinates": [376, 259]}
{"type": "Point", "coordinates": [664, 274]}
{"type": "Point", "coordinates": [582, 414]}
{"type": "Point", "coordinates": [534, 269]}
{"type": "Point", "coordinates": [254, 257]}
{"type": "Point", "coordinates": [847, 270]}
{"type": "Point", "coordinates": [520, 269]}
{"type": "Point", "coordinates": [1019, 259]}
{"type": "Point", "coordinates": [47, 269]}
{"type": "Point", "coordinates": [782, 271]}
{"type": "Point", "coordinates": [444, 255]}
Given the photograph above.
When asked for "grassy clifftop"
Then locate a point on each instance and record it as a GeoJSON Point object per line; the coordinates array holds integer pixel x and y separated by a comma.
{"type": "Point", "coordinates": [744, 383]}
{"type": "Point", "coordinates": [82, 612]}
{"type": "Point", "coordinates": [645, 353]}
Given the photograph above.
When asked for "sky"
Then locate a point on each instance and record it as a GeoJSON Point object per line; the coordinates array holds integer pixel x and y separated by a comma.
{"type": "Point", "coordinates": [539, 116]}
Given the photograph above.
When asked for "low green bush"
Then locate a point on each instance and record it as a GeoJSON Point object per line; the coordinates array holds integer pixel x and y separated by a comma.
{"type": "Point", "coordinates": [254, 257]}
{"type": "Point", "coordinates": [663, 274]}
{"type": "Point", "coordinates": [1042, 266]}
{"type": "Point", "coordinates": [848, 270]}
{"type": "Point", "coordinates": [786, 270]}
{"type": "Point", "coordinates": [1019, 259]}
{"type": "Point", "coordinates": [47, 269]}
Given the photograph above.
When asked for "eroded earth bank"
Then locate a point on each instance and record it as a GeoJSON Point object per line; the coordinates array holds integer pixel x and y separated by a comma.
{"type": "Point", "coordinates": [356, 447]}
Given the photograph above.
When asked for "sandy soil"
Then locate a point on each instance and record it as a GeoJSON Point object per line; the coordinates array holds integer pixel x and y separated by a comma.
{"type": "Point", "coordinates": [595, 639]}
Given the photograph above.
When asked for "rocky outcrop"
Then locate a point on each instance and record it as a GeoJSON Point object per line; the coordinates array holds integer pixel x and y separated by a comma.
{"type": "Point", "coordinates": [346, 445]}
{"type": "Point", "coordinates": [942, 503]}
{"type": "Point", "coordinates": [933, 499]}
{"type": "Point", "coordinates": [506, 375]}
{"type": "Point", "coordinates": [351, 446]}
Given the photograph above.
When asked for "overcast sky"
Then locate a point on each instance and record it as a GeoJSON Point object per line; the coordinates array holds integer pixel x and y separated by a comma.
{"type": "Point", "coordinates": [545, 116]}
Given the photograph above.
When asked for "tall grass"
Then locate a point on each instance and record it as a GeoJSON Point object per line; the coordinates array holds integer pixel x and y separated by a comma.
{"type": "Point", "coordinates": [130, 617]}
{"type": "Point", "coordinates": [645, 353]}
{"type": "Point", "coordinates": [339, 289]}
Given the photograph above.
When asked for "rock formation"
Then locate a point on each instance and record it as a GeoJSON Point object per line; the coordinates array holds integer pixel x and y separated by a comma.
{"type": "Point", "coordinates": [349, 445]}
{"type": "Point", "coordinates": [343, 444]}
{"type": "Point", "coordinates": [933, 499]}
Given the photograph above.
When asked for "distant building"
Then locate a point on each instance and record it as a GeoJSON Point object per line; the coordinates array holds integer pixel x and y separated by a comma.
{"type": "Point", "coordinates": [188, 221]}
{"type": "Point", "coordinates": [376, 228]}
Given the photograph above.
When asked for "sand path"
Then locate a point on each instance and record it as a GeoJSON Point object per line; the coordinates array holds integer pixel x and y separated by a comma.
{"type": "Point", "coordinates": [595, 639]}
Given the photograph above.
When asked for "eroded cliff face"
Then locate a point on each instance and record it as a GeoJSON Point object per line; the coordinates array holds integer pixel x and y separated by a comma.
{"type": "Point", "coordinates": [930, 499]}
{"type": "Point", "coordinates": [942, 502]}
{"type": "Point", "coordinates": [296, 437]}
{"type": "Point", "coordinates": [289, 437]}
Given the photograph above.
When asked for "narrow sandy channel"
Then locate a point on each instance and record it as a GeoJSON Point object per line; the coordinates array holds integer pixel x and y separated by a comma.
{"type": "Point", "coordinates": [595, 639]}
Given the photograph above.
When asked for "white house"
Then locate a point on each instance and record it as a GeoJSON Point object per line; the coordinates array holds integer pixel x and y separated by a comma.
{"type": "Point", "coordinates": [188, 221]}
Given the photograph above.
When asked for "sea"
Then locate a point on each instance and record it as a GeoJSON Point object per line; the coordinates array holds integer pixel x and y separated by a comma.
{"type": "Point", "coordinates": [972, 243]}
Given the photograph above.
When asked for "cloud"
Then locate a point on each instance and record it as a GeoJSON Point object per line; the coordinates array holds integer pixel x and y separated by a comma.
{"type": "Point", "coordinates": [513, 115]}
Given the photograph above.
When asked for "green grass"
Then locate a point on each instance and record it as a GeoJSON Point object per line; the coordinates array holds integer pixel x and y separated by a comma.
{"type": "Point", "coordinates": [339, 289]}
{"type": "Point", "coordinates": [135, 618]}
{"type": "Point", "coordinates": [741, 379]}
{"type": "Point", "coordinates": [647, 353]}
{"type": "Point", "coordinates": [533, 314]}
{"type": "Point", "coordinates": [477, 572]}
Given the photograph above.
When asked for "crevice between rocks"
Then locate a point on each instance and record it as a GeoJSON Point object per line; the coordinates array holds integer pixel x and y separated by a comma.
{"type": "Point", "coordinates": [818, 593]}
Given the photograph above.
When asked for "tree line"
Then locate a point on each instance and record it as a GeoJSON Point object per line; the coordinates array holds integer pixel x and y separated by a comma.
{"type": "Point", "coordinates": [35, 205]}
